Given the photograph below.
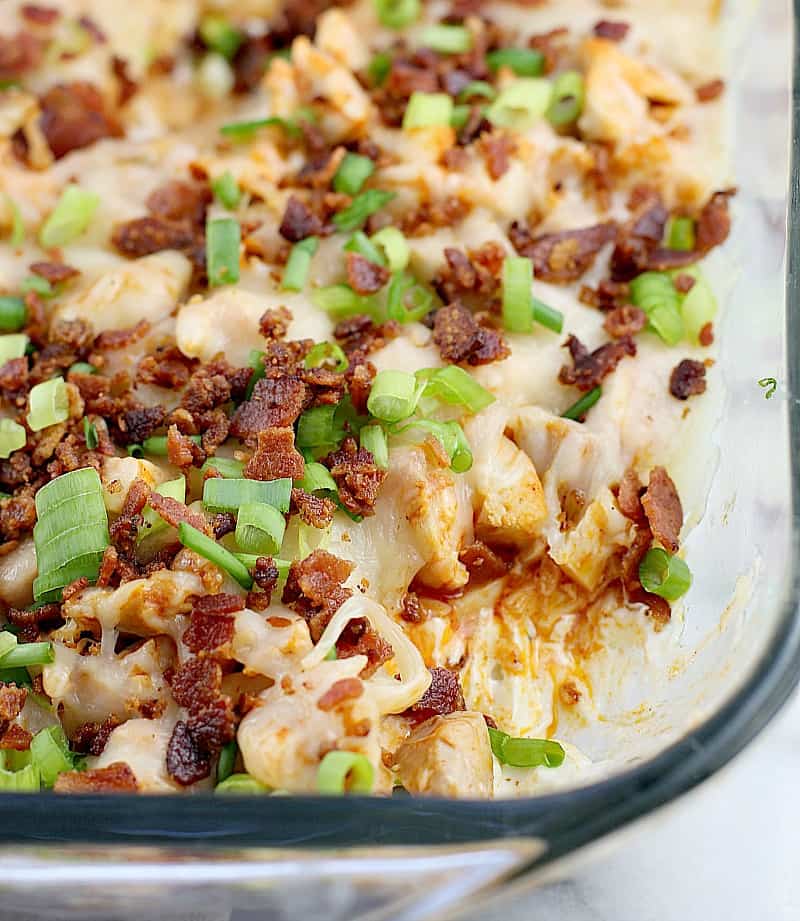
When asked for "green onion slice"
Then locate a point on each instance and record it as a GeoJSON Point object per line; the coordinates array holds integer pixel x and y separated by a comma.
{"type": "Point", "coordinates": [396, 14]}
{"type": "Point", "coordinates": [228, 494]}
{"type": "Point", "coordinates": [547, 316]}
{"type": "Point", "coordinates": [568, 96]}
{"type": "Point", "coordinates": [353, 172]}
{"type": "Point", "coordinates": [49, 404]}
{"type": "Point", "coordinates": [525, 62]}
{"type": "Point", "coordinates": [518, 305]}
{"type": "Point", "coordinates": [215, 553]}
{"type": "Point", "coordinates": [259, 528]}
{"type": "Point", "coordinates": [50, 754]}
{"type": "Point", "coordinates": [90, 434]}
{"type": "Point", "coordinates": [425, 110]}
{"type": "Point", "coordinates": [7, 642]}
{"type": "Point", "coordinates": [38, 284]}
{"type": "Point", "coordinates": [172, 489]}
{"type": "Point", "coordinates": [299, 263]}
{"type": "Point", "coordinates": [477, 89]}
{"type": "Point", "coordinates": [655, 293]}
{"type": "Point", "coordinates": [455, 386]}
{"type": "Point", "coordinates": [227, 760]}
{"type": "Point", "coordinates": [373, 438]}
{"type": "Point", "coordinates": [317, 478]}
{"type": "Point", "coordinates": [12, 313]}
{"type": "Point", "coordinates": [395, 246]}
{"type": "Point", "coordinates": [228, 467]}
{"type": "Point", "coordinates": [25, 780]}
{"type": "Point", "coordinates": [345, 772]}
{"type": "Point", "coordinates": [82, 367]}
{"type": "Point", "coordinates": [156, 445]}
{"type": "Point", "coordinates": [226, 190]}
{"type": "Point", "coordinates": [451, 437]}
{"type": "Point", "coordinates": [327, 353]}
{"type": "Point", "coordinates": [318, 427]}
{"type": "Point", "coordinates": [578, 410]}
{"type": "Point", "coordinates": [360, 208]}
{"type": "Point", "coordinates": [24, 655]}
{"type": "Point", "coordinates": [220, 35]}
{"type": "Point", "coordinates": [341, 301]}
{"type": "Point", "coordinates": [698, 307]}
{"type": "Point", "coordinates": [394, 395]}
{"type": "Point", "coordinates": [663, 574]}
{"type": "Point", "coordinates": [12, 437]}
{"type": "Point", "coordinates": [70, 218]}
{"type": "Point", "coordinates": [223, 236]}
{"type": "Point", "coordinates": [521, 103]}
{"type": "Point", "coordinates": [529, 753]}
{"type": "Point", "coordinates": [680, 234]}
{"type": "Point", "coordinates": [241, 785]}
{"type": "Point", "coordinates": [407, 301]}
{"type": "Point", "coordinates": [360, 243]}
{"type": "Point", "coordinates": [447, 39]}
{"type": "Point", "coordinates": [379, 67]}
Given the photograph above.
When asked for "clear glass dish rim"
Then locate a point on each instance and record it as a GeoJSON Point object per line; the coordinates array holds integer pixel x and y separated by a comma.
{"type": "Point", "coordinates": [565, 821]}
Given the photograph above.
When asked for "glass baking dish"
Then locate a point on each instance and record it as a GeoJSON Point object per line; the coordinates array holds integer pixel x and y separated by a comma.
{"type": "Point", "coordinates": [195, 857]}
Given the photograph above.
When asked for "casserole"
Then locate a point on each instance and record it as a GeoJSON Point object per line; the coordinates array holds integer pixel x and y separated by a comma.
{"type": "Point", "coordinates": [750, 667]}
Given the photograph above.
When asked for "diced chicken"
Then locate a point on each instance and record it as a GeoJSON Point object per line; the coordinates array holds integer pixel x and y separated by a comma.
{"type": "Point", "coordinates": [448, 756]}
{"type": "Point", "coordinates": [119, 472]}
{"type": "Point", "coordinates": [337, 36]}
{"type": "Point", "coordinates": [17, 572]}
{"type": "Point", "coordinates": [272, 645]}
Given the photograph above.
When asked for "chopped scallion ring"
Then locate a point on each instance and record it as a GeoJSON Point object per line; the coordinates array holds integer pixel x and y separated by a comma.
{"type": "Point", "coordinates": [345, 772]}
{"type": "Point", "coordinates": [70, 218]}
{"type": "Point", "coordinates": [12, 313]}
{"type": "Point", "coordinates": [699, 307]}
{"type": "Point", "coordinates": [49, 404]}
{"type": "Point", "coordinates": [228, 494]}
{"type": "Point", "coordinates": [219, 35]}
{"type": "Point", "coordinates": [529, 753]}
{"type": "Point", "coordinates": [567, 102]}
{"type": "Point", "coordinates": [330, 353]}
{"type": "Point", "coordinates": [655, 293]}
{"type": "Point", "coordinates": [394, 395]}
{"type": "Point", "coordinates": [373, 439]}
{"type": "Point", "coordinates": [353, 172]}
{"type": "Point", "coordinates": [407, 301]}
{"type": "Point", "coordinates": [12, 346]}
{"type": "Point", "coordinates": [41, 286]}
{"type": "Point", "coordinates": [477, 89]}
{"type": "Point", "coordinates": [578, 410]}
{"type": "Point", "coordinates": [455, 386]}
{"type": "Point", "coordinates": [341, 301]}
{"type": "Point", "coordinates": [227, 760]}
{"type": "Point", "coordinates": [360, 208]}
{"type": "Point", "coordinates": [664, 575]}
{"type": "Point", "coordinates": [525, 62]}
{"type": "Point", "coordinates": [25, 780]}
{"type": "Point", "coordinates": [317, 427]}
{"type": "Point", "coordinates": [451, 437]}
{"type": "Point", "coordinates": [317, 478]}
{"type": "Point", "coordinates": [259, 528]}
{"type": "Point", "coordinates": [228, 467]}
{"type": "Point", "coordinates": [397, 14]}
{"type": "Point", "coordinates": [379, 67]}
{"type": "Point", "coordinates": [547, 316]}
{"type": "Point", "coordinates": [360, 243]}
{"type": "Point", "coordinates": [298, 265]}
{"type": "Point", "coordinates": [24, 655]}
{"type": "Point", "coordinates": [517, 294]}
{"type": "Point", "coordinates": [172, 489]}
{"type": "Point", "coordinates": [245, 131]}
{"type": "Point", "coordinates": [226, 190]}
{"type": "Point", "coordinates": [223, 236]}
{"type": "Point", "coordinates": [215, 553]}
{"type": "Point", "coordinates": [425, 110]}
{"type": "Point", "coordinates": [446, 38]}
{"type": "Point", "coordinates": [521, 103]}
{"type": "Point", "coordinates": [241, 785]}
{"type": "Point", "coordinates": [395, 246]}
{"type": "Point", "coordinates": [82, 367]}
{"type": "Point", "coordinates": [7, 642]}
{"type": "Point", "coordinates": [90, 434]}
{"type": "Point", "coordinates": [50, 754]}
{"type": "Point", "coordinates": [680, 234]}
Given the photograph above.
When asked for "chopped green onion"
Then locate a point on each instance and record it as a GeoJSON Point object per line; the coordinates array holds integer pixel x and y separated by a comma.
{"type": "Point", "coordinates": [244, 131]}
{"type": "Point", "coordinates": [213, 552]}
{"type": "Point", "coordinates": [82, 367]}
{"type": "Point", "coordinates": [69, 219]}
{"type": "Point", "coordinates": [12, 346]}
{"type": "Point", "coordinates": [317, 478]}
{"type": "Point", "coordinates": [698, 307]}
{"type": "Point", "coordinates": [528, 753]}
{"type": "Point", "coordinates": [39, 285]}
{"type": "Point", "coordinates": [769, 385]}
{"type": "Point", "coordinates": [219, 35]}
{"type": "Point", "coordinates": [345, 772]}
{"type": "Point", "coordinates": [223, 236]}
{"type": "Point", "coordinates": [394, 395]}
{"type": "Point", "coordinates": [396, 14]}
{"type": "Point", "coordinates": [17, 224]}
{"type": "Point", "coordinates": [341, 301]}
{"type": "Point", "coordinates": [228, 494]}
{"type": "Point", "coordinates": [12, 313]}
{"type": "Point", "coordinates": [256, 362]}
{"type": "Point", "coordinates": [227, 466]}
{"type": "Point", "coordinates": [260, 528]}
{"type": "Point", "coordinates": [568, 96]}
{"type": "Point", "coordinates": [517, 294]}
{"type": "Point", "coordinates": [227, 760]}
{"type": "Point", "coordinates": [156, 445]}
{"type": "Point", "coordinates": [241, 785]}
{"type": "Point", "coordinates": [327, 352]}
{"type": "Point", "coordinates": [226, 190]}
{"type": "Point", "coordinates": [455, 386]}
{"type": "Point", "coordinates": [521, 103]}
{"type": "Point", "coordinates": [477, 89]}
{"type": "Point", "coordinates": [7, 642]}
{"type": "Point", "coordinates": [379, 67]}
{"type": "Point", "coordinates": [360, 243]}
{"type": "Point", "coordinates": [447, 39]}
{"type": "Point", "coordinates": [50, 754]}
{"type": "Point", "coordinates": [353, 172]}
{"type": "Point", "coordinates": [360, 208]}
{"type": "Point", "coordinates": [373, 439]}
{"type": "Point", "coordinates": [90, 434]}
{"type": "Point", "coordinates": [664, 575]}
{"type": "Point", "coordinates": [395, 246]}
{"type": "Point", "coordinates": [655, 293]}
{"type": "Point", "coordinates": [23, 655]}
{"type": "Point", "coordinates": [547, 316]}
{"type": "Point", "coordinates": [172, 489]}
{"type": "Point", "coordinates": [18, 676]}
{"type": "Point", "coordinates": [425, 110]}
{"type": "Point", "coordinates": [49, 404]}
{"type": "Point", "coordinates": [331, 655]}
{"type": "Point", "coordinates": [578, 410]}
{"type": "Point", "coordinates": [525, 62]}
{"type": "Point", "coordinates": [25, 780]}
{"type": "Point", "coordinates": [460, 116]}
{"type": "Point", "coordinates": [451, 437]}
{"type": "Point", "coordinates": [407, 301]}
{"type": "Point", "coordinates": [680, 234]}
{"type": "Point", "coordinates": [317, 427]}
{"type": "Point", "coordinates": [297, 266]}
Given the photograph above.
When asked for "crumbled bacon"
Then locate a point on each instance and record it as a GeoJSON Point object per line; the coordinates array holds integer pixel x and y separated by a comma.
{"type": "Point", "coordinates": [710, 91]}
{"type": "Point", "coordinates": [265, 574]}
{"type": "Point", "coordinates": [563, 257]}
{"type": "Point", "coordinates": [357, 476]}
{"type": "Point", "coordinates": [275, 456]}
{"type": "Point", "coordinates": [361, 333]}
{"type": "Point", "coordinates": [443, 696]}
{"type": "Point", "coordinates": [629, 496]}
{"type": "Point", "coordinates": [181, 201]}
{"type": "Point", "coordinates": [688, 378]}
{"type": "Point", "coordinates": [482, 563]}
{"type": "Point", "coordinates": [274, 323]}
{"type": "Point", "coordinates": [663, 509]}
{"type": "Point", "coordinates": [167, 367]}
{"type": "Point", "coordinates": [54, 272]}
{"type": "Point", "coordinates": [325, 385]}
{"type": "Point", "coordinates": [713, 222]}
{"type": "Point", "coordinates": [614, 31]}
{"type": "Point", "coordinates": [197, 683]}
{"type": "Point", "coordinates": [476, 272]}
{"type": "Point", "coordinates": [623, 321]}
{"type": "Point", "coordinates": [683, 283]}
{"type": "Point", "coordinates": [706, 335]}
{"type": "Point", "coordinates": [14, 376]}
{"type": "Point", "coordinates": [181, 450]}
{"type": "Point", "coordinates": [315, 511]}
{"type": "Point", "coordinates": [18, 54]}
{"type": "Point", "coordinates": [187, 761]}
{"type": "Point", "coordinates": [115, 778]}
{"type": "Point", "coordinates": [461, 339]}
{"type": "Point", "coordinates": [29, 624]}
{"type": "Point", "coordinates": [213, 726]}
{"type": "Point", "coordinates": [174, 512]}
{"type": "Point", "coordinates": [432, 215]}
{"type": "Point", "coordinates": [314, 589]}
{"type": "Point", "coordinates": [127, 87]}
{"type": "Point", "coordinates": [210, 629]}
{"type": "Point", "coordinates": [74, 116]}
{"type": "Point", "coordinates": [137, 424]}
{"type": "Point", "coordinates": [12, 700]}
{"type": "Point", "coordinates": [410, 609]}
{"type": "Point", "coordinates": [359, 639]}
{"type": "Point", "coordinates": [340, 691]}
{"type": "Point", "coordinates": [299, 221]}
{"type": "Point", "coordinates": [15, 738]}
{"type": "Point", "coordinates": [124, 530]}
{"type": "Point", "coordinates": [143, 236]}
{"type": "Point", "coordinates": [365, 277]}
{"type": "Point", "coordinates": [112, 339]}
{"type": "Point", "coordinates": [17, 516]}
{"type": "Point", "coordinates": [92, 738]}
{"type": "Point", "coordinates": [497, 150]}
{"type": "Point", "coordinates": [275, 403]}
{"type": "Point", "coordinates": [360, 376]}
{"type": "Point", "coordinates": [589, 368]}
{"type": "Point", "coordinates": [39, 15]}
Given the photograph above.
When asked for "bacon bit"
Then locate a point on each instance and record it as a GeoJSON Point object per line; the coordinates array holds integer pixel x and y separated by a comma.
{"type": "Point", "coordinates": [482, 563]}
{"type": "Point", "coordinates": [274, 323]}
{"type": "Point", "coordinates": [18, 54]}
{"type": "Point", "coordinates": [221, 603]}
{"type": "Point", "coordinates": [143, 236]}
{"type": "Point", "coordinates": [116, 778]}
{"type": "Point", "coordinates": [180, 201]}
{"type": "Point", "coordinates": [411, 610]}
{"type": "Point", "coordinates": [706, 335]}
{"type": "Point", "coordinates": [443, 696]}
{"type": "Point", "coordinates": [365, 277]}
{"type": "Point", "coordinates": [688, 379]}
{"type": "Point", "coordinates": [460, 338]}
{"type": "Point", "coordinates": [563, 257]}
{"type": "Point", "coordinates": [684, 283]}
{"type": "Point", "coordinates": [17, 516]}
{"type": "Point", "coordinates": [223, 523]}
{"type": "Point", "coordinates": [359, 639]}
{"type": "Point", "coordinates": [29, 624]}
{"type": "Point", "coordinates": [613, 31]}
{"type": "Point", "coordinates": [710, 91]}
{"type": "Point", "coordinates": [714, 222]}
{"type": "Point", "coordinates": [14, 376]}
{"type": "Point", "coordinates": [209, 630]}
{"type": "Point", "coordinates": [167, 367]}
{"type": "Point", "coordinates": [197, 683]}
{"type": "Point", "coordinates": [174, 512]}
{"type": "Point", "coordinates": [361, 333]}
{"type": "Point", "coordinates": [181, 450]}
{"type": "Point", "coordinates": [186, 761]}
{"type": "Point", "coordinates": [127, 87]}
{"type": "Point", "coordinates": [357, 476]}
{"type": "Point", "coordinates": [431, 215]}
{"type": "Point", "coordinates": [275, 403]}
{"type": "Point", "coordinates": [210, 386]}
{"type": "Point", "coordinates": [213, 726]}
{"type": "Point", "coordinates": [314, 589]}
{"type": "Point", "coordinates": [275, 456]}
{"type": "Point", "coordinates": [659, 608]}
{"type": "Point", "coordinates": [112, 339]}
{"type": "Point", "coordinates": [265, 574]}
{"type": "Point", "coordinates": [624, 321]}
{"type": "Point", "coordinates": [315, 511]}
{"type": "Point", "coordinates": [92, 738]}
{"type": "Point", "coordinates": [87, 23]}
{"type": "Point", "coordinates": [497, 150]}
{"type": "Point", "coordinates": [340, 691]}
{"type": "Point", "coordinates": [258, 601]}
{"type": "Point", "coordinates": [137, 424]}
{"type": "Point", "coordinates": [12, 700]}
{"type": "Point", "coordinates": [54, 272]}
{"type": "Point", "coordinates": [124, 530]}
{"type": "Point", "coordinates": [74, 588]}
{"type": "Point", "coordinates": [299, 221]}
{"type": "Point", "coordinates": [360, 376]}
{"type": "Point", "coordinates": [250, 63]}
{"type": "Point", "coordinates": [589, 368]}
{"type": "Point", "coordinates": [39, 15]}
{"type": "Point", "coordinates": [663, 509]}
{"type": "Point", "coordinates": [74, 116]}
{"type": "Point", "coordinates": [15, 738]}
{"type": "Point", "coordinates": [548, 44]}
